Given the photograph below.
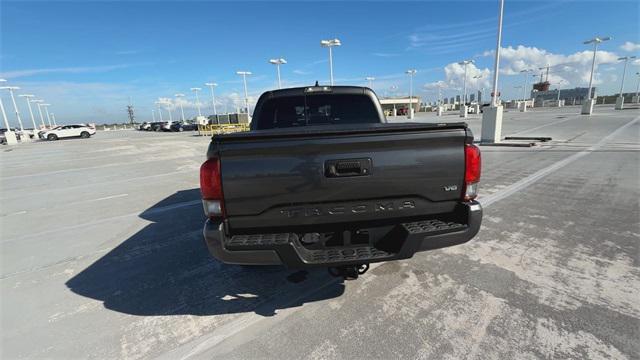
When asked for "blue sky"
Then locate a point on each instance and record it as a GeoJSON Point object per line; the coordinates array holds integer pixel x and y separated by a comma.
{"type": "Point", "coordinates": [88, 58]}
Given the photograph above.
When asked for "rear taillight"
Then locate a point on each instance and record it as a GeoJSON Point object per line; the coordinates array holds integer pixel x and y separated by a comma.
{"type": "Point", "coordinates": [211, 188]}
{"type": "Point", "coordinates": [472, 165]}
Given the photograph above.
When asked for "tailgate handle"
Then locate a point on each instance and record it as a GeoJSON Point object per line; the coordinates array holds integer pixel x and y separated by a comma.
{"type": "Point", "coordinates": [347, 167]}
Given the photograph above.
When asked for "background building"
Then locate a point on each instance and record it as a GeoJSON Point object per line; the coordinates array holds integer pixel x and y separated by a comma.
{"type": "Point", "coordinates": [570, 96]}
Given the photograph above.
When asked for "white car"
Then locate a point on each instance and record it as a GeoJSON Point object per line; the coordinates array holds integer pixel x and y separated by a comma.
{"type": "Point", "coordinates": [67, 131]}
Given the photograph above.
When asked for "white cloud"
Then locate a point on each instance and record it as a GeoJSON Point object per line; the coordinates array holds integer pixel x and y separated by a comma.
{"type": "Point", "coordinates": [454, 78]}
{"type": "Point", "coordinates": [68, 70]}
{"type": "Point", "coordinates": [573, 69]}
{"type": "Point", "coordinates": [630, 47]}
{"type": "Point", "coordinates": [385, 55]}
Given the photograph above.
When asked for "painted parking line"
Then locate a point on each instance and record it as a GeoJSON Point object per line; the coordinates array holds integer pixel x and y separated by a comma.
{"type": "Point", "coordinates": [105, 220]}
{"type": "Point", "coordinates": [533, 178]}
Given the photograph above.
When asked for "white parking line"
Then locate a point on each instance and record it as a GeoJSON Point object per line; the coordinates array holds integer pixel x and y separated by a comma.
{"type": "Point", "coordinates": [531, 179]}
{"type": "Point", "coordinates": [543, 126]}
{"type": "Point", "coordinates": [101, 221]}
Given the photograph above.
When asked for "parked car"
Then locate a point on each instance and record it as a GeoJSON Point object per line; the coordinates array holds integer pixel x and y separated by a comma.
{"type": "Point", "coordinates": [68, 131]}
{"type": "Point", "coordinates": [183, 126]}
{"type": "Point", "coordinates": [145, 126]}
{"type": "Point", "coordinates": [156, 126]}
{"type": "Point", "coordinates": [323, 180]}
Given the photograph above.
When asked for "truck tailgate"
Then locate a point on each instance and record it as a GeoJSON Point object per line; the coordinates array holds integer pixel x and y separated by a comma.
{"type": "Point", "coordinates": [312, 178]}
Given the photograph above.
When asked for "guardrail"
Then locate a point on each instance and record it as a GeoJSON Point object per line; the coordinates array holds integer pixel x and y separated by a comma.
{"type": "Point", "coordinates": [217, 129]}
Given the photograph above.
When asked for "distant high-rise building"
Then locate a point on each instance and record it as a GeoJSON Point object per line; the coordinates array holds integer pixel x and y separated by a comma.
{"type": "Point", "coordinates": [472, 97]}
{"type": "Point", "coordinates": [458, 99]}
{"type": "Point", "coordinates": [446, 100]}
{"type": "Point", "coordinates": [452, 100]}
{"type": "Point", "coordinates": [479, 97]}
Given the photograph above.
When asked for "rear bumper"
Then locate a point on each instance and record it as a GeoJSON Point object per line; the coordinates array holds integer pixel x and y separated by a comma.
{"type": "Point", "coordinates": [284, 248]}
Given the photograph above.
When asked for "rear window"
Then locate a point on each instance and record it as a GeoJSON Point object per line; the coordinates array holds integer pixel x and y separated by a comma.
{"type": "Point", "coordinates": [293, 111]}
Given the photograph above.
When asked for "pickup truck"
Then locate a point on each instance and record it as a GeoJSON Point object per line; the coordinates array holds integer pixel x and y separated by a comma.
{"type": "Point", "coordinates": [322, 179]}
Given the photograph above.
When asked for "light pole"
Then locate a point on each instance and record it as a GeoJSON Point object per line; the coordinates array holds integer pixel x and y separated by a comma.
{"type": "Point", "coordinates": [637, 97]}
{"type": "Point", "coordinates": [478, 77]}
{"type": "Point", "coordinates": [558, 99]}
{"type": "Point", "coordinates": [53, 116]}
{"type": "Point", "coordinates": [179, 96]}
{"type": "Point", "coordinates": [465, 63]}
{"type": "Point", "coordinates": [46, 111]}
{"type": "Point", "coordinates": [587, 107]}
{"type": "Point", "coordinates": [330, 44]}
{"type": "Point", "coordinates": [38, 102]}
{"type": "Point", "coordinates": [277, 63]}
{"type": "Point", "coordinates": [246, 94]}
{"type": "Point", "coordinates": [159, 105]}
{"type": "Point", "coordinates": [196, 90]}
{"type": "Point", "coordinates": [15, 106]}
{"type": "Point", "coordinates": [463, 106]}
{"type": "Point", "coordinates": [491, 131]}
{"type": "Point", "coordinates": [213, 97]}
{"type": "Point", "coordinates": [411, 73]}
{"type": "Point", "coordinates": [526, 83]}
{"type": "Point", "coordinates": [9, 135]}
{"type": "Point", "coordinates": [370, 80]}
{"type": "Point", "coordinates": [153, 115]}
{"type": "Point", "coordinates": [620, 99]}
{"type": "Point", "coordinates": [28, 97]}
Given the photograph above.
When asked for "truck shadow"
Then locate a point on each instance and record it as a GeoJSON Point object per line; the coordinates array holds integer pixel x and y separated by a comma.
{"type": "Point", "coordinates": [165, 269]}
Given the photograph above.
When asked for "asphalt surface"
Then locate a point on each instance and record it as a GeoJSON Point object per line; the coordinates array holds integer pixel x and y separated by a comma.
{"type": "Point", "coordinates": [102, 257]}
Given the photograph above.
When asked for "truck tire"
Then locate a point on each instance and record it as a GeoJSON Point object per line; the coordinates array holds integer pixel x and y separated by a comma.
{"type": "Point", "coordinates": [85, 135]}
{"type": "Point", "coordinates": [52, 137]}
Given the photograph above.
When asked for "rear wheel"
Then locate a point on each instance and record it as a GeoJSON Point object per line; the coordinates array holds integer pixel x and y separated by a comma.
{"type": "Point", "coordinates": [84, 134]}
{"type": "Point", "coordinates": [52, 137]}
{"type": "Point", "coordinates": [180, 128]}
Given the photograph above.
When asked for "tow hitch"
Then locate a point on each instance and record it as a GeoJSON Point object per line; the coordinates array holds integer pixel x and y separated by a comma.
{"type": "Point", "coordinates": [349, 272]}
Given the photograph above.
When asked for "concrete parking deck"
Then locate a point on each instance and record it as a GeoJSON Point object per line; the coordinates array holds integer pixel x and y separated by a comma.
{"type": "Point", "coordinates": [102, 257]}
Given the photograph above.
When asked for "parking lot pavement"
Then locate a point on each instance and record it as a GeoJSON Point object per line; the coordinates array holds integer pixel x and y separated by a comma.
{"type": "Point", "coordinates": [102, 257]}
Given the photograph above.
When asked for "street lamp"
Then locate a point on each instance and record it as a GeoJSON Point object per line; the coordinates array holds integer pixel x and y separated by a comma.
{"type": "Point", "coordinates": [246, 94]}
{"type": "Point", "coordinates": [179, 96]}
{"type": "Point", "coordinates": [38, 102]}
{"type": "Point", "coordinates": [370, 80]}
{"type": "Point", "coordinates": [465, 63]}
{"type": "Point", "coordinates": [587, 107]}
{"type": "Point", "coordinates": [526, 83]}
{"type": "Point", "coordinates": [46, 111]}
{"type": "Point", "coordinates": [411, 73]}
{"type": "Point", "coordinates": [159, 104]}
{"type": "Point", "coordinates": [620, 99]}
{"type": "Point", "coordinates": [277, 63]}
{"type": "Point", "coordinates": [213, 97]}
{"type": "Point", "coordinates": [478, 77]}
{"type": "Point", "coordinates": [15, 106]}
{"type": "Point", "coordinates": [53, 116]}
{"type": "Point", "coordinates": [638, 88]}
{"type": "Point", "coordinates": [330, 44]}
{"type": "Point", "coordinates": [558, 99]}
{"type": "Point", "coordinates": [195, 90]}
{"type": "Point", "coordinates": [9, 135]}
{"type": "Point", "coordinates": [33, 119]}
{"type": "Point", "coordinates": [491, 130]}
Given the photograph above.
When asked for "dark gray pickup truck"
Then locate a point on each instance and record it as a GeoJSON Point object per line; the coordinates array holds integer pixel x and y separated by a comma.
{"type": "Point", "coordinates": [323, 180]}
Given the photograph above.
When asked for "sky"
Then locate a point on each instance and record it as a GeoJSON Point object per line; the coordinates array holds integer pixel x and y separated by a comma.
{"type": "Point", "coordinates": [89, 59]}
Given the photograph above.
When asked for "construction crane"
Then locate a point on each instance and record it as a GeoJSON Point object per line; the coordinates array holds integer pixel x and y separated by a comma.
{"type": "Point", "coordinates": [543, 85]}
{"type": "Point", "coordinates": [130, 112]}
